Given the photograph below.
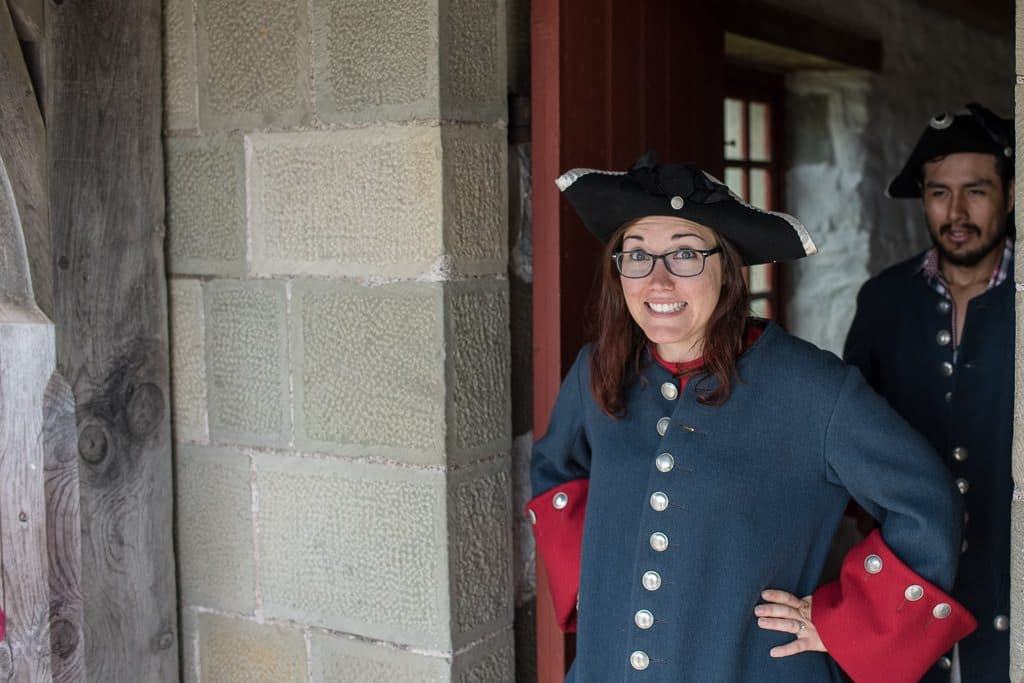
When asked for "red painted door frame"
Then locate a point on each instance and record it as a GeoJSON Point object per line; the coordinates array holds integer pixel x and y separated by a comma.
{"type": "Point", "coordinates": [610, 79]}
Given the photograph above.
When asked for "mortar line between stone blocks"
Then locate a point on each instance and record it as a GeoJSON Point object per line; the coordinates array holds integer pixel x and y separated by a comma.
{"type": "Point", "coordinates": [361, 460]}
{"type": "Point", "coordinates": [257, 578]}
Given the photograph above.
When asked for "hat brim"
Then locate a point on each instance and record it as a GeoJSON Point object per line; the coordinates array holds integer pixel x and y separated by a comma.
{"type": "Point", "coordinates": [605, 201]}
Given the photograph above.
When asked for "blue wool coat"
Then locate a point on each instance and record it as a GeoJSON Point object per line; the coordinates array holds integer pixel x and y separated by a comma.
{"type": "Point", "coordinates": [757, 488]}
{"type": "Point", "coordinates": [965, 410]}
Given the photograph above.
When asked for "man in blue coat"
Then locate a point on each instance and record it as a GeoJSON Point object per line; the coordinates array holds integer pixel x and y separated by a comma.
{"type": "Point", "coordinates": [935, 336]}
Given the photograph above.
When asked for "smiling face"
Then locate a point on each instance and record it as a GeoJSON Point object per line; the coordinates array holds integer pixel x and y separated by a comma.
{"type": "Point", "coordinates": [672, 311]}
{"type": "Point", "coordinates": [966, 206]}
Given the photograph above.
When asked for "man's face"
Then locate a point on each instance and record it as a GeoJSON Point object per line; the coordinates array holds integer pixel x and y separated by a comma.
{"type": "Point", "coordinates": [966, 206]}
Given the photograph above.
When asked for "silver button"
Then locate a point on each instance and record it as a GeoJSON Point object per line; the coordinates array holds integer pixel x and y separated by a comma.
{"type": "Point", "coordinates": [949, 397]}
{"type": "Point", "coordinates": [677, 202]}
{"type": "Point", "coordinates": [659, 501]}
{"type": "Point", "coordinates": [945, 663]}
{"type": "Point", "coordinates": [643, 619]}
{"type": "Point", "coordinates": [942, 610]}
{"type": "Point", "coordinates": [639, 660]}
{"type": "Point", "coordinates": [533, 517]}
{"type": "Point", "coordinates": [659, 542]}
{"type": "Point", "coordinates": [913, 592]}
{"type": "Point", "coordinates": [943, 306]}
{"type": "Point", "coordinates": [663, 424]}
{"type": "Point", "coordinates": [946, 368]}
{"type": "Point", "coordinates": [963, 547]}
{"type": "Point", "coordinates": [943, 337]}
{"type": "Point", "coordinates": [651, 580]}
{"type": "Point", "coordinates": [872, 564]}
{"type": "Point", "coordinates": [665, 462]}
{"type": "Point", "coordinates": [959, 454]}
{"type": "Point", "coordinates": [670, 391]}
{"type": "Point", "coordinates": [560, 500]}
{"type": "Point", "coordinates": [1001, 622]}
{"type": "Point", "coordinates": [963, 485]}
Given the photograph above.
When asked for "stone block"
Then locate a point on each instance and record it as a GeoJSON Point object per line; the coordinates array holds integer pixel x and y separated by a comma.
{"type": "Point", "coordinates": [480, 542]}
{"type": "Point", "coordinates": [234, 649]}
{"type": "Point", "coordinates": [490, 661]}
{"type": "Point", "coordinates": [1016, 578]}
{"type": "Point", "coordinates": [336, 659]}
{"type": "Point", "coordinates": [247, 363]}
{"type": "Point", "coordinates": [253, 63]}
{"type": "Point", "coordinates": [188, 361]}
{"type": "Point", "coordinates": [206, 206]}
{"type": "Point", "coordinates": [472, 60]}
{"type": "Point", "coordinates": [1019, 43]}
{"type": "Point", "coordinates": [214, 528]}
{"type": "Point", "coordinates": [356, 203]}
{"type": "Point", "coordinates": [369, 369]}
{"type": "Point", "coordinates": [475, 198]}
{"type": "Point", "coordinates": [181, 108]}
{"type": "Point", "coordinates": [355, 547]}
{"type": "Point", "coordinates": [477, 342]}
{"type": "Point", "coordinates": [376, 61]}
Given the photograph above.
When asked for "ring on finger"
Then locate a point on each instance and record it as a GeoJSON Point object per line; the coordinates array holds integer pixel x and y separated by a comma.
{"type": "Point", "coordinates": [801, 626]}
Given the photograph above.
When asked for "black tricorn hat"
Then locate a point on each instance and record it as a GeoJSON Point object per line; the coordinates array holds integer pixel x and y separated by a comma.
{"type": "Point", "coordinates": [974, 129]}
{"type": "Point", "coordinates": [606, 200]}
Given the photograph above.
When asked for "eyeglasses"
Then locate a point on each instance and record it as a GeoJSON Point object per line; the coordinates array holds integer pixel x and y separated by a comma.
{"type": "Point", "coordinates": [638, 263]}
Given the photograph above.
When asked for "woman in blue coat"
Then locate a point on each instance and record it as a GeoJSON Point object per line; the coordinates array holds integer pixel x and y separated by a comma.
{"type": "Point", "coordinates": [698, 461]}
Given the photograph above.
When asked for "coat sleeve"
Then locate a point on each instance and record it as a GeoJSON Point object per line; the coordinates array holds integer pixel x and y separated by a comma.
{"type": "Point", "coordinates": [859, 350]}
{"type": "Point", "coordinates": [559, 473]}
{"type": "Point", "coordinates": [889, 616]}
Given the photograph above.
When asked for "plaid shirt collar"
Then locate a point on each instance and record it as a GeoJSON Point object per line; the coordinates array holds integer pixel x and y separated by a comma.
{"type": "Point", "coordinates": [931, 271]}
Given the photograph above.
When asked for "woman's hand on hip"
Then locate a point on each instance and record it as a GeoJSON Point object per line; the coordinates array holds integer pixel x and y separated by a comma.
{"type": "Point", "coordinates": [782, 611]}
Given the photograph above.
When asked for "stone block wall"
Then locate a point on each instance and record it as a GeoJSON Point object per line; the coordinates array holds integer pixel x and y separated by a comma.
{"type": "Point", "coordinates": [337, 250]}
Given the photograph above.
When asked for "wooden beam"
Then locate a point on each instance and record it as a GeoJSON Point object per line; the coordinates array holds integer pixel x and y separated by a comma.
{"type": "Point", "coordinates": [799, 33]}
{"type": "Point", "coordinates": [28, 19]}
{"type": "Point", "coordinates": [992, 16]}
{"type": "Point", "coordinates": [107, 208]}
{"type": "Point", "coordinates": [26, 363]}
{"type": "Point", "coordinates": [63, 532]}
{"type": "Point", "coordinates": [23, 147]}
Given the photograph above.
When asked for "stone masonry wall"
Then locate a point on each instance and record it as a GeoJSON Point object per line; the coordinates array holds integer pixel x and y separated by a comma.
{"type": "Point", "coordinates": [850, 132]}
{"type": "Point", "coordinates": [337, 248]}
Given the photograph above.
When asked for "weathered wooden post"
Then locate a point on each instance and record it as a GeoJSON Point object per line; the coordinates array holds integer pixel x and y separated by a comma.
{"type": "Point", "coordinates": [106, 189]}
{"type": "Point", "coordinates": [27, 362]}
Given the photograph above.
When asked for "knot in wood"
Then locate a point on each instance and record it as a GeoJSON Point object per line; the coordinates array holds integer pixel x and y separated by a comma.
{"type": "Point", "coordinates": [92, 444]}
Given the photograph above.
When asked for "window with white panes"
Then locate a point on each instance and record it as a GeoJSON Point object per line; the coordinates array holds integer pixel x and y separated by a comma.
{"type": "Point", "coordinates": [753, 166]}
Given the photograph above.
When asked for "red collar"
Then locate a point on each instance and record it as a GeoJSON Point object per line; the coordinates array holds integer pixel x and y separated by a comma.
{"type": "Point", "coordinates": [754, 332]}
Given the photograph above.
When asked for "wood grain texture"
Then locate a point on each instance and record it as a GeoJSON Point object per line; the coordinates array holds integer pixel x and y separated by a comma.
{"type": "Point", "coordinates": [107, 207]}
{"type": "Point", "coordinates": [23, 147]}
{"type": "Point", "coordinates": [28, 19]}
{"type": "Point", "coordinates": [26, 362]}
{"type": "Point", "coordinates": [63, 532]}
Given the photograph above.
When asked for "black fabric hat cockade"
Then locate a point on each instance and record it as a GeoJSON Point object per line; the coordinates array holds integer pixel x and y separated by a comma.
{"type": "Point", "coordinates": [606, 200]}
{"type": "Point", "coordinates": [974, 129]}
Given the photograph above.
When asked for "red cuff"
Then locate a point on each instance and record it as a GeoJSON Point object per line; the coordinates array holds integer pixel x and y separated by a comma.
{"type": "Point", "coordinates": [882, 622]}
{"type": "Point", "coordinates": [557, 519]}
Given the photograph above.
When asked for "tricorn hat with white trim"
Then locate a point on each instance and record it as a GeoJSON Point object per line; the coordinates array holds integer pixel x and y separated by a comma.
{"type": "Point", "coordinates": [606, 200]}
{"type": "Point", "coordinates": [974, 129]}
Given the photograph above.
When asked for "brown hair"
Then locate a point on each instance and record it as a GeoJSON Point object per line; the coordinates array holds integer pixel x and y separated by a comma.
{"type": "Point", "coordinates": [618, 349]}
